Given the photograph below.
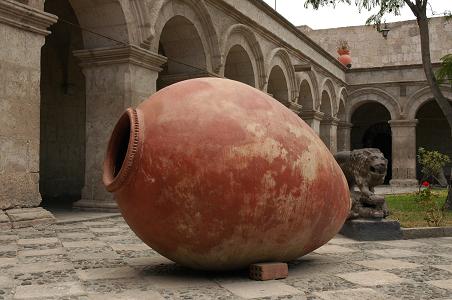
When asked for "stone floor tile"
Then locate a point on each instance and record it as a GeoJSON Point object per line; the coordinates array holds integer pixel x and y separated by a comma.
{"type": "Point", "coordinates": [343, 241]}
{"type": "Point", "coordinates": [308, 270]}
{"type": "Point", "coordinates": [8, 248]}
{"type": "Point", "coordinates": [358, 294]}
{"type": "Point", "coordinates": [84, 244]}
{"type": "Point", "coordinates": [333, 249]}
{"type": "Point", "coordinates": [148, 261]}
{"type": "Point", "coordinates": [372, 278]}
{"type": "Point", "coordinates": [107, 273]}
{"type": "Point", "coordinates": [70, 227]}
{"type": "Point", "coordinates": [403, 244]}
{"type": "Point", "coordinates": [130, 247]}
{"type": "Point", "coordinates": [7, 261]}
{"type": "Point", "coordinates": [206, 293]}
{"type": "Point", "coordinates": [387, 264]}
{"type": "Point", "coordinates": [112, 238]}
{"type": "Point", "coordinates": [38, 241]}
{"type": "Point", "coordinates": [6, 281]}
{"type": "Point", "coordinates": [129, 295]}
{"type": "Point", "coordinates": [105, 229]}
{"type": "Point", "coordinates": [258, 289]}
{"type": "Point", "coordinates": [65, 289]}
{"type": "Point", "coordinates": [444, 267]}
{"type": "Point", "coordinates": [44, 252]}
{"type": "Point", "coordinates": [42, 267]}
{"type": "Point", "coordinates": [9, 237]}
{"type": "Point", "coordinates": [395, 253]}
{"type": "Point", "coordinates": [98, 223]}
{"type": "Point", "coordinates": [75, 235]}
{"type": "Point", "coordinates": [446, 255]}
{"type": "Point", "coordinates": [76, 256]}
{"type": "Point", "coordinates": [179, 281]}
{"type": "Point", "coordinates": [443, 284]}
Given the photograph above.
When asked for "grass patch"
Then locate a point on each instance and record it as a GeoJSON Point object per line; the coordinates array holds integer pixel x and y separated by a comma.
{"type": "Point", "coordinates": [407, 211]}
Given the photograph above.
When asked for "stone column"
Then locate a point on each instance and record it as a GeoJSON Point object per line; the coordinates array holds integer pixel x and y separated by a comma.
{"type": "Point", "coordinates": [116, 78]}
{"type": "Point", "coordinates": [344, 131]}
{"type": "Point", "coordinates": [328, 133]}
{"type": "Point", "coordinates": [403, 152]}
{"type": "Point", "coordinates": [313, 118]}
{"type": "Point", "coordinates": [22, 34]}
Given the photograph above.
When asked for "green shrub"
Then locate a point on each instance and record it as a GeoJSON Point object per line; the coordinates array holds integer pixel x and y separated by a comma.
{"type": "Point", "coordinates": [432, 163]}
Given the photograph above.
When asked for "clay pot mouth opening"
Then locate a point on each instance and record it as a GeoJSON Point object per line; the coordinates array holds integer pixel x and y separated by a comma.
{"type": "Point", "coordinates": [121, 152]}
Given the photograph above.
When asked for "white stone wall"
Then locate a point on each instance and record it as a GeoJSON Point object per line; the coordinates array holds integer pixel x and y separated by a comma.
{"type": "Point", "coordinates": [402, 47]}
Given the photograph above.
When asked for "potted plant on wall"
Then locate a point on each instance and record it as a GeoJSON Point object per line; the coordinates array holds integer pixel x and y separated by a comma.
{"type": "Point", "coordinates": [343, 50]}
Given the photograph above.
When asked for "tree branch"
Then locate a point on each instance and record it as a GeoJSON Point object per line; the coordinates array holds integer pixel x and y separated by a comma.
{"type": "Point", "coordinates": [424, 6]}
{"type": "Point", "coordinates": [413, 7]}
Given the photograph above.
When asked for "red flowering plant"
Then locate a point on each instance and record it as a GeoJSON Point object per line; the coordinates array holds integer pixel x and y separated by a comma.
{"type": "Point", "coordinates": [434, 214]}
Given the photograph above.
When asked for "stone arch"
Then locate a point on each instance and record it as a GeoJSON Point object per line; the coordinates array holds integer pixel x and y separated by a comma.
{"type": "Point", "coordinates": [62, 105]}
{"type": "Point", "coordinates": [110, 18]}
{"type": "Point", "coordinates": [239, 66]}
{"type": "Point", "coordinates": [341, 96]}
{"type": "Point", "coordinates": [328, 93]}
{"type": "Point", "coordinates": [432, 132]}
{"type": "Point", "coordinates": [366, 95]}
{"type": "Point", "coordinates": [279, 57]}
{"type": "Point", "coordinates": [181, 43]}
{"type": "Point", "coordinates": [371, 129]}
{"type": "Point", "coordinates": [419, 98]}
{"type": "Point", "coordinates": [308, 97]}
{"type": "Point", "coordinates": [242, 35]}
{"type": "Point", "coordinates": [197, 14]}
{"type": "Point", "coordinates": [277, 85]}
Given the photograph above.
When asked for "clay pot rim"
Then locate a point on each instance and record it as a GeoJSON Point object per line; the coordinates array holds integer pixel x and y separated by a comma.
{"type": "Point", "coordinates": [128, 127]}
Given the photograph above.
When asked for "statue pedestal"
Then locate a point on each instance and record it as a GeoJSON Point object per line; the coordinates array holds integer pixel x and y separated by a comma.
{"type": "Point", "coordinates": [372, 229]}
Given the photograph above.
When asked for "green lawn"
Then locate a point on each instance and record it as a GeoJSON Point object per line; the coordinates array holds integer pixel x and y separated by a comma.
{"type": "Point", "coordinates": [405, 209]}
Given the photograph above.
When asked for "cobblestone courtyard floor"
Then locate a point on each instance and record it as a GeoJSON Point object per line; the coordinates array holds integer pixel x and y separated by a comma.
{"type": "Point", "coordinates": [103, 259]}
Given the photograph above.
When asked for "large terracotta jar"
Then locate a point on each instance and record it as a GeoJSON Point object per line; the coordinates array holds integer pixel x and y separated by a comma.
{"type": "Point", "coordinates": [216, 175]}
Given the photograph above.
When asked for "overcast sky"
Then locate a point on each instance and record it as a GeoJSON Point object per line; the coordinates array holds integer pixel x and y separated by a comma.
{"type": "Point", "coordinates": [343, 15]}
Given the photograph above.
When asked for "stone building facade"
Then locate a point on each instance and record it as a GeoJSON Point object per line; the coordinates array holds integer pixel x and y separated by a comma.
{"type": "Point", "coordinates": [71, 67]}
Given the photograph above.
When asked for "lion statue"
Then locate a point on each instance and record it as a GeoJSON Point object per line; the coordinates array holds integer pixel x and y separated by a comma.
{"type": "Point", "coordinates": [364, 168]}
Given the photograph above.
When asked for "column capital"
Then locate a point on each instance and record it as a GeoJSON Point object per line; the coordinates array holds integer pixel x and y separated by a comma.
{"type": "Point", "coordinates": [295, 107]}
{"type": "Point", "coordinates": [25, 17]}
{"type": "Point", "coordinates": [333, 121]}
{"type": "Point", "coordinates": [403, 123]}
{"type": "Point", "coordinates": [344, 125]}
{"type": "Point", "coordinates": [91, 58]}
{"type": "Point", "coordinates": [312, 114]}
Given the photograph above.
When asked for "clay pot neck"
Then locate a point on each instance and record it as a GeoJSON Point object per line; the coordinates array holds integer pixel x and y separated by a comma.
{"type": "Point", "coordinates": [343, 51]}
{"type": "Point", "coordinates": [122, 152]}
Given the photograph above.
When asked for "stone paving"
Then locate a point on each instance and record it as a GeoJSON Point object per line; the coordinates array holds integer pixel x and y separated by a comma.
{"type": "Point", "coordinates": [103, 259]}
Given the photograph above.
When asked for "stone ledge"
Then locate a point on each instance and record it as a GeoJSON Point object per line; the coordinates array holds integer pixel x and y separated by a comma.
{"type": "Point", "coordinates": [372, 229]}
{"type": "Point", "coordinates": [25, 217]}
{"type": "Point", "coordinates": [83, 218]}
{"type": "Point", "coordinates": [128, 54]}
{"type": "Point", "coordinates": [25, 17]}
{"type": "Point", "coordinates": [403, 182]}
{"type": "Point", "coordinates": [96, 205]}
{"type": "Point", "coordinates": [426, 232]}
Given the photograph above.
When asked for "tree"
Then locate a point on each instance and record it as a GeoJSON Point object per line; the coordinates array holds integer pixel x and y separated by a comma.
{"type": "Point", "coordinates": [445, 71]}
{"type": "Point", "coordinates": [419, 9]}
